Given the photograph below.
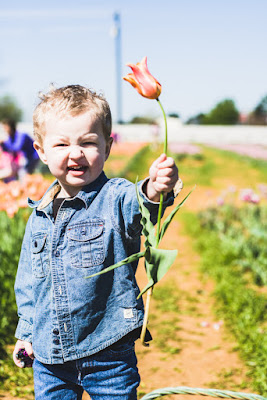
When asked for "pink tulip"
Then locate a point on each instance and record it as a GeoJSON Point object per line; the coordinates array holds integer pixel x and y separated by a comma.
{"type": "Point", "coordinates": [143, 81]}
{"type": "Point", "coordinates": [220, 201]}
{"type": "Point", "coordinates": [249, 196]}
{"type": "Point", "coordinates": [255, 198]}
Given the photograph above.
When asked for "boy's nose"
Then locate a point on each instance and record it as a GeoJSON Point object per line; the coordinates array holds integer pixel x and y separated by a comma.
{"type": "Point", "coordinates": [76, 152]}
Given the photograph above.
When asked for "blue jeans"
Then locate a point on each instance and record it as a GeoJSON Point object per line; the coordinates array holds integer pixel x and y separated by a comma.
{"type": "Point", "coordinates": [110, 374]}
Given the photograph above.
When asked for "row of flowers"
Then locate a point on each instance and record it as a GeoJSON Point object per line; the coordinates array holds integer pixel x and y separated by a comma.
{"type": "Point", "coordinates": [245, 195]}
{"type": "Point", "coordinates": [13, 195]}
{"type": "Point", "coordinates": [251, 150]}
{"type": "Point", "coordinates": [184, 148]}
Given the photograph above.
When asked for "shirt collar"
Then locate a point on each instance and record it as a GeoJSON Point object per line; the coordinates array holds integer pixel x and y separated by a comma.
{"type": "Point", "coordinates": [86, 194]}
{"type": "Point", "coordinates": [89, 192]}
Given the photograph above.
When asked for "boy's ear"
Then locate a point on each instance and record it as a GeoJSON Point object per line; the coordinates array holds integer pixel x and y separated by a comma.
{"type": "Point", "coordinates": [108, 147]}
{"type": "Point", "coordinates": [40, 150]}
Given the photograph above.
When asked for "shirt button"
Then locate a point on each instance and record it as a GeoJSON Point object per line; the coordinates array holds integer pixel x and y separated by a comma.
{"type": "Point", "coordinates": [56, 351]}
{"type": "Point", "coordinates": [55, 331]}
{"type": "Point", "coordinates": [56, 341]}
{"type": "Point", "coordinates": [57, 253]}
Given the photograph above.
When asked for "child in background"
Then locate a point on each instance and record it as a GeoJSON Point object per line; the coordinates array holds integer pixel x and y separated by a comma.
{"type": "Point", "coordinates": [81, 332]}
{"type": "Point", "coordinates": [20, 143]}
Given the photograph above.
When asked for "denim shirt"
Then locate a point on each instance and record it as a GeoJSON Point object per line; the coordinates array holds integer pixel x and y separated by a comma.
{"type": "Point", "coordinates": [64, 315]}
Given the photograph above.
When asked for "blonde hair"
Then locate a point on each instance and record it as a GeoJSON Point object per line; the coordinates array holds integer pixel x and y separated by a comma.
{"type": "Point", "coordinates": [70, 100]}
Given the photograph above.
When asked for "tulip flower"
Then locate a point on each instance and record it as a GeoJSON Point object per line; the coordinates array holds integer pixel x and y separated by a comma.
{"type": "Point", "coordinates": [148, 87]}
{"type": "Point", "coordinates": [142, 80]}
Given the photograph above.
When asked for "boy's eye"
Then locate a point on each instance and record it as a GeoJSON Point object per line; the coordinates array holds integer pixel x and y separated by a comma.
{"type": "Point", "coordinates": [88, 143]}
{"type": "Point", "coordinates": [61, 145]}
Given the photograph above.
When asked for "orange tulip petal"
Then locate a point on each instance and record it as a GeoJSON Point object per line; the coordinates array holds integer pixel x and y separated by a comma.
{"type": "Point", "coordinates": [143, 81]}
{"type": "Point", "coordinates": [131, 79]}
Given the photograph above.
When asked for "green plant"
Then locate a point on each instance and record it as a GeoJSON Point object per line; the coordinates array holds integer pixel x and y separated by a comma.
{"type": "Point", "coordinates": [224, 113]}
{"type": "Point", "coordinates": [12, 230]}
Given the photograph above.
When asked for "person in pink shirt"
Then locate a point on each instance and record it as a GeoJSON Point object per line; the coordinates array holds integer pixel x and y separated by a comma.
{"type": "Point", "coordinates": [9, 166]}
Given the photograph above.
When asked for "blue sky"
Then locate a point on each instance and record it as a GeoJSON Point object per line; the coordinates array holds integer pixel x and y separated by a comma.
{"type": "Point", "coordinates": [200, 51]}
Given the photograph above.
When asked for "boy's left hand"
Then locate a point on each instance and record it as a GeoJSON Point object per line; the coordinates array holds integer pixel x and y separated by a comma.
{"type": "Point", "coordinates": [163, 174]}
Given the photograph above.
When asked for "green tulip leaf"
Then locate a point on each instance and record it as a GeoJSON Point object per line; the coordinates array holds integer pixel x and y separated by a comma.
{"type": "Point", "coordinates": [148, 286]}
{"type": "Point", "coordinates": [157, 263]}
{"type": "Point", "coordinates": [170, 217]}
{"type": "Point", "coordinates": [128, 260]}
{"type": "Point", "coordinates": [148, 228]}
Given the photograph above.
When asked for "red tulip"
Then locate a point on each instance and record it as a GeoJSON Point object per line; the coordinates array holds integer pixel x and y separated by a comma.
{"type": "Point", "coordinates": [142, 80]}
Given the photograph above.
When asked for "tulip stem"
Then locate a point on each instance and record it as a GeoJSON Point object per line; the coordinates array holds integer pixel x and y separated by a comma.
{"type": "Point", "coordinates": [143, 332]}
{"type": "Point", "coordinates": [150, 290]}
{"type": "Point", "coordinates": [166, 128]}
{"type": "Point", "coordinates": [165, 152]}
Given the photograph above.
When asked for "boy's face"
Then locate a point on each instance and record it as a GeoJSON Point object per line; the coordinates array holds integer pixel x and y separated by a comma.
{"type": "Point", "coordinates": [75, 150]}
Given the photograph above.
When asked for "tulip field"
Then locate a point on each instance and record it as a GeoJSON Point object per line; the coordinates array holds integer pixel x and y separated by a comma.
{"type": "Point", "coordinates": [208, 315]}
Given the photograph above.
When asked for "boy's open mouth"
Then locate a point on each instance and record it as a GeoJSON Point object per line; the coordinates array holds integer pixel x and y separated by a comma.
{"type": "Point", "coordinates": [77, 168]}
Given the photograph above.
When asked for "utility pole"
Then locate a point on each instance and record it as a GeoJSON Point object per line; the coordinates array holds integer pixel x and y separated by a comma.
{"type": "Point", "coordinates": [117, 37]}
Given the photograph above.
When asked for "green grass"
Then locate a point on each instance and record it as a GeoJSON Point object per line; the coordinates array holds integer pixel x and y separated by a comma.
{"type": "Point", "coordinates": [200, 170]}
{"type": "Point", "coordinates": [248, 163]}
{"type": "Point", "coordinates": [215, 166]}
{"type": "Point", "coordinates": [227, 378]}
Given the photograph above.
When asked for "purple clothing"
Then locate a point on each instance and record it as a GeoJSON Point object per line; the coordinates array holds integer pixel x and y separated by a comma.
{"type": "Point", "coordinates": [21, 143]}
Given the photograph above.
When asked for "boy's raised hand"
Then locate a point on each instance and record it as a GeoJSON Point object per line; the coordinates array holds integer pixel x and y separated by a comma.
{"type": "Point", "coordinates": [163, 174]}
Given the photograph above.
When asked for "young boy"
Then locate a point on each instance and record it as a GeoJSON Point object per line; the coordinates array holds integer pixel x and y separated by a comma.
{"type": "Point", "coordinates": [81, 332]}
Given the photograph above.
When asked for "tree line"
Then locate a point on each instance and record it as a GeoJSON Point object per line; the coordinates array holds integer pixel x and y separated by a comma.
{"type": "Point", "coordinates": [223, 113]}
{"type": "Point", "coordinates": [226, 113]}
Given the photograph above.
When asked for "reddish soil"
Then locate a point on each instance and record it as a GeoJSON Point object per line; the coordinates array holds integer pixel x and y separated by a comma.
{"type": "Point", "coordinates": [128, 149]}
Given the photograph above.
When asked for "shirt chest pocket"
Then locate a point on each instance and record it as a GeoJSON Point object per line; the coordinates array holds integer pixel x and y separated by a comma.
{"type": "Point", "coordinates": [86, 244]}
{"type": "Point", "coordinates": [40, 256]}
